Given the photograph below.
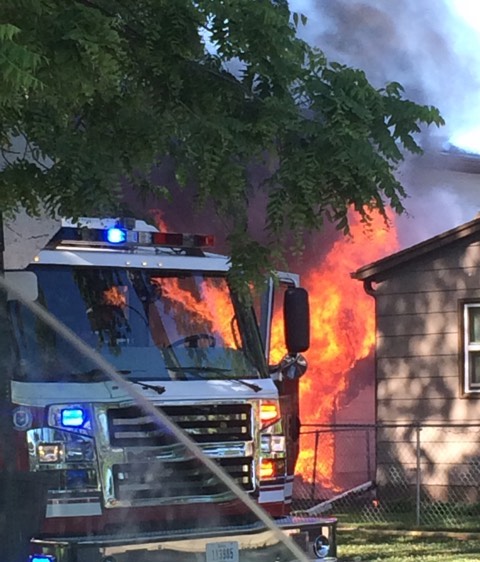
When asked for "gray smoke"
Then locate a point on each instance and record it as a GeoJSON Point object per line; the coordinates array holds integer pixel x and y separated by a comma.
{"type": "Point", "coordinates": [422, 44]}
{"type": "Point", "coordinates": [427, 47]}
{"type": "Point", "coordinates": [434, 54]}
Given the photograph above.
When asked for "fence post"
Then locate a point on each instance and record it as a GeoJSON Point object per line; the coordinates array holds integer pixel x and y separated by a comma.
{"type": "Point", "coordinates": [314, 471]}
{"type": "Point", "coordinates": [418, 477]}
{"type": "Point", "coordinates": [369, 467]}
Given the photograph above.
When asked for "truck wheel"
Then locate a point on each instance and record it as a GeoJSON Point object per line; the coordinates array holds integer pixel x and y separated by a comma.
{"type": "Point", "coordinates": [321, 546]}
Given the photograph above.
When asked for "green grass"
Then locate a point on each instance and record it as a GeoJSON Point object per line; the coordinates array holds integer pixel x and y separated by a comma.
{"type": "Point", "coordinates": [383, 546]}
{"type": "Point", "coordinates": [433, 516]}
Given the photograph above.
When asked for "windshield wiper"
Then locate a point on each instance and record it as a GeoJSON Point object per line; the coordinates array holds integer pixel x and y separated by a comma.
{"type": "Point", "coordinates": [157, 389]}
{"type": "Point", "coordinates": [217, 370]}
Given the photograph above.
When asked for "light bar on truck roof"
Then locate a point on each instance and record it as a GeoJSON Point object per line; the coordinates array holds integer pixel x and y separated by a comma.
{"type": "Point", "coordinates": [119, 236]}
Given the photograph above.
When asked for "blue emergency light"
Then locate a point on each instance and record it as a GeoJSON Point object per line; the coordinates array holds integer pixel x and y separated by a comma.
{"type": "Point", "coordinates": [42, 558]}
{"type": "Point", "coordinates": [116, 235]}
{"type": "Point", "coordinates": [73, 417]}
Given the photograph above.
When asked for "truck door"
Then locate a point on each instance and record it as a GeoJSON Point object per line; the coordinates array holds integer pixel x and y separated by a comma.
{"type": "Point", "coordinates": [271, 321]}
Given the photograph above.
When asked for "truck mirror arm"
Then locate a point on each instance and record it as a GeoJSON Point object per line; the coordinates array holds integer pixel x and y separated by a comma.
{"type": "Point", "coordinates": [292, 366]}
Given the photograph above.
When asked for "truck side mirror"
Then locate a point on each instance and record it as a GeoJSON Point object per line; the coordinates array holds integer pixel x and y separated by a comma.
{"type": "Point", "coordinates": [296, 316]}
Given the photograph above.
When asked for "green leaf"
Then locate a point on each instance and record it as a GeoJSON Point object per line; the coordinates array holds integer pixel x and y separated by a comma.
{"type": "Point", "coordinates": [102, 91]}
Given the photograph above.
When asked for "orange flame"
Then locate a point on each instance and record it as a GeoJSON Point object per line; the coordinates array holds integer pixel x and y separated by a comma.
{"type": "Point", "coordinates": [115, 296]}
{"type": "Point", "coordinates": [342, 333]}
{"type": "Point", "coordinates": [157, 217]}
{"type": "Point", "coordinates": [211, 306]}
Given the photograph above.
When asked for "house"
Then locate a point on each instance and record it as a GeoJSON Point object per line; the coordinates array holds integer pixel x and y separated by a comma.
{"type": "Point", "coordinates": [427, 358]}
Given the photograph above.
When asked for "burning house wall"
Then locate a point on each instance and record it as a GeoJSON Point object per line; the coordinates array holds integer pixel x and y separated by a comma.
{"type": "Point", "coordinates": [342, 334]}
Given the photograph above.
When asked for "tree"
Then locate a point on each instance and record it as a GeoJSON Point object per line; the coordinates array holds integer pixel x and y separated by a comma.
{"type": "Point", "coordinates": [94, 91]}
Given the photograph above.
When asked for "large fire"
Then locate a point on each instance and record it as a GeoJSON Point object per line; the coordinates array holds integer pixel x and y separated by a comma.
{"type": "Point", "coordinates": [342, 333]}
{"type": "Point", "coordinates": [342, 330]}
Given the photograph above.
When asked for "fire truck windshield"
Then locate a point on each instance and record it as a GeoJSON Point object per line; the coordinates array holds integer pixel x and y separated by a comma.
{"type": "Point", "coordinates": [150, 325]}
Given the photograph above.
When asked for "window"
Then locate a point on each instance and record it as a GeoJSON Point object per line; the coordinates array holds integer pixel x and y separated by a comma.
{"type": "Point", "coordinates": [161, 325]}
{"type": "Point", "coordinates": [269, 310]}
{"type": "Point", "coordinates": [471, 319]}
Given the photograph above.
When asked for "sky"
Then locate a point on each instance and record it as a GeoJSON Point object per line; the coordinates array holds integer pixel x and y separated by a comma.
{"type": "Point", "coordinates": [432, 47]}
{"type": "Point", "coordinates": [468, 11]}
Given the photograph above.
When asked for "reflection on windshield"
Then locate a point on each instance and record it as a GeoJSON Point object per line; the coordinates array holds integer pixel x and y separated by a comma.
{"type": "Point", "coordinates": [147, 325]}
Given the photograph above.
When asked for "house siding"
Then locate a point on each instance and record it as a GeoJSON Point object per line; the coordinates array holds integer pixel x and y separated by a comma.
{"type": "Point", "coordinates": [419, 339]}
{"type": "Point", "coordinates": [418, 370]}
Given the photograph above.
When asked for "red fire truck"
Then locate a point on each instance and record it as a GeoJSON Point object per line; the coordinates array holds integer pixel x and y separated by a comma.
{"type": "Point", "coordinates": [159, 309]}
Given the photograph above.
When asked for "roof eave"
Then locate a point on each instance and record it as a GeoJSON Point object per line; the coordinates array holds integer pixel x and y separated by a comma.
{"type": "Point", "coordinates": [381, 267]}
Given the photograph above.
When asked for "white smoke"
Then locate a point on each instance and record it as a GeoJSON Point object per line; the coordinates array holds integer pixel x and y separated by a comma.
{"type": "Point", "coordinates": [433, 49]}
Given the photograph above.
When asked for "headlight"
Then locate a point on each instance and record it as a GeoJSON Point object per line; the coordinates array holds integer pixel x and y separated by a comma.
{"type": "Point", "coordinates": [72, 449]}
{"type": "Point", "coordinates": [272, 443]}
{"type": "Point", "coordinates": [76, 451]}
{"type": "Point", "coordinates": [70, 455]}
{"type": "Point", "coordinates": [50, 453]}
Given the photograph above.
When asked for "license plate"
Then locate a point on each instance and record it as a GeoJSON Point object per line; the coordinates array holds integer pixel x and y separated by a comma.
{"type": "Point", "coordinates": [222, 552]}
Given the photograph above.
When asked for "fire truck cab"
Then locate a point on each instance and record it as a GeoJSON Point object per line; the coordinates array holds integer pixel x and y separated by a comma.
{"type": "Point", "coordinates": [158, 307]}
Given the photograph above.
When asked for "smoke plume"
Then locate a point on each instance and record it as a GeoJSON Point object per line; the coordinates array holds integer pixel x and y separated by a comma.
{"type": "Point", "coordinates": [434, 53]}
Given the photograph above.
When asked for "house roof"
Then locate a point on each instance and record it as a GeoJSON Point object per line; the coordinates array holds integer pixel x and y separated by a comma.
{"type": "Point", "coordinates": [379, 268]}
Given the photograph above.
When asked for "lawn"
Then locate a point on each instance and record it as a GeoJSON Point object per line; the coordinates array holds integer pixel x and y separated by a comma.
{"type": "Point", "coordinates": [370, 545]}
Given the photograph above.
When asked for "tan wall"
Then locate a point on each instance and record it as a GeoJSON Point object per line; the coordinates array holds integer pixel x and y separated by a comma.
{"type": "Point", "coordinates": [418, 353]}
{"type": "Point", "coordinates": [419, 337]}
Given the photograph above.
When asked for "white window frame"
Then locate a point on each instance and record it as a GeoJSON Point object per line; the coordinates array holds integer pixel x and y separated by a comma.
{"type": "Point", "coordinates": [469, 387]}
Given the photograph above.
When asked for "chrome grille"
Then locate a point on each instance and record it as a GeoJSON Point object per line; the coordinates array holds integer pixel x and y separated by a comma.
{"type": "Point", "coordinates": [136, 482]}
{"type": "Point", "coordinates": [209, 423]}
{"type": "Point", "coordinates": [146, 476]}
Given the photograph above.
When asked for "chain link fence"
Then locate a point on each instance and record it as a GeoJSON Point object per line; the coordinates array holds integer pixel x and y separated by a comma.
{"type": "Point", "coordinates": [396, 475]}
